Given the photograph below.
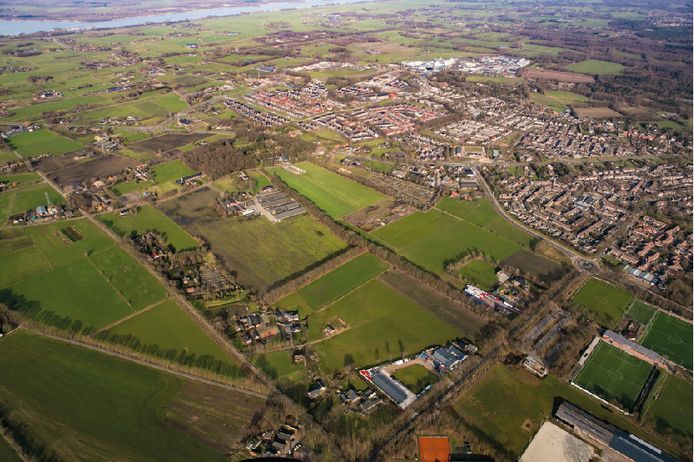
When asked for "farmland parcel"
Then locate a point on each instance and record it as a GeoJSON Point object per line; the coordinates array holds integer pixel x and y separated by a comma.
{"type": "Point", "coordinates": [112, 406]}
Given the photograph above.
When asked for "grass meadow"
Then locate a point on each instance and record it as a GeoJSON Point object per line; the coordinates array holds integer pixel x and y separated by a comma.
{"type": "Point", "coordinates": [335, 284]}
{"type": "Point", "coordinates": [42, 141]}
{"type": "Point", "coordinates": [148, 218]}
{"type": "Point", "coordinates": [112, 406]}
{"type": "Point", "coordinates": [336, 195]}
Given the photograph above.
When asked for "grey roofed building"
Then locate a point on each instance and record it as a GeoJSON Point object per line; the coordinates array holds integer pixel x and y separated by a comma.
{"type": "Point", "coordinates": [388, 386]}
{"type": "Point", "coordinates": [607, 434]}
{"type": "Point", "coordinates": [650, 355]}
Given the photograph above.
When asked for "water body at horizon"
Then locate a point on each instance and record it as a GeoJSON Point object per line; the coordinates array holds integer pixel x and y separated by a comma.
{"type": "Point", "coordinates": [32, 26]}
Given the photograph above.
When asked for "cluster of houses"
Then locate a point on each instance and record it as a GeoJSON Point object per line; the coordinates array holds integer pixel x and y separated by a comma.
{"type": "Point", "coordinates": [266, 119]}
{"type": "Point", "coordinates": [255, 328]}
{"type": "Point", "coordinates": [42, 214]}
{"type": "Point", "coordinates": [285, 441]}
{"type": "Point", "coordinates": [586, 211]}
{"type": "Point", "coordinates": [308, 101]}
{"type": "Point", "coordinates": [653, 251]}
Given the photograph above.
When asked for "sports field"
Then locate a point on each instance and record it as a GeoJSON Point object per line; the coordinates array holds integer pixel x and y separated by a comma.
{"type": "Point", "coordinates": [509, 406]}
{"type": "Point", "coordinates": [381, 324]}
{"type": "Point", "coordinates": [641, 312]}
{"type": "Point", "coordinates": [415, 377]}
{"type": "Point", "coordinates": [670, 337]}
{"type": "Point", "coordinates": [596, 67]}
{"type": "Point", "coordinates": [431, 238]}
{"type": "Point", "coordinates": [70, 271]}
{"type": "Point", "coordinates": [146, 219]}
{"type": "Point", "coordinates": [29, 144]}
{"type": "Point", "coordinates": [85, 405]}
{"type": "Point", "coordinates": [334, 284]}
{"type": "Point", "coordinates": [614, 375]}
{"type": "Point", "coordinates": [167, 327]}
{"type": "Point", "coordinates": [603, 302]}
{"type": "Point", "coordinates": [336, 195]}
{"type": "Point", "coordinates": [672, 408]}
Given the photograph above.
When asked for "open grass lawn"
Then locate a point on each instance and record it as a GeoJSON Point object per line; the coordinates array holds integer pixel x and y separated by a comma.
{"type": "Point", "coordinates": [149, 218]}
{"type": "Point", "coordinates": [335, 284]}
{"type": "Point", "coordinates": [74, 271]}
{"type": "Point", "coordinates": [170, 171]}
{"type": "Point", "coordinates": [336, 195]}
{"type": "Point", "coordinates": [672, 407]}
{"type": "Point", "coordinates": [596, 67]}
{"type": "Point", "coordinates": [382, 324]}
{"type": "Point", "coordinates": [85, 406]}
{"type": "Point", "coordinates": [25, 199]}
{"type": "Point", "coordinates": [670, 337]}
{"type": "Point", "coordinates": [20, 179]}
{"type": "Point", "coordinates": [132, 281]}
{"type": "Point", "coordinates": [433, 237]}
{"type": "Point", "coordinates": [603, 302]}
{"type": "Point", "coordinates": [279, 366]}
{"type": "Point", "coordinates": [452, 313]}
{"type": "Point", "coordinates": [168, 327]}
{"type": "Point", "coordinates": [416, 377]}
{"type": "Point", "coordinates": [641, 312]}
{"type": "Point", "coordinates": [509, 406]}
{"type": "Point", "coordinates": [565, 97]}
{"type": "Point", "coordinates": [264, 253]}
{"type": "Point", "coordinates": [127, 187]}
{"type": "Point", "coordinates": [479, 273]}
{"type": "Point", "coordinates": [260, 252]}
{"type": "Point", "coordinates": [614, 375]}
{"type": "Point", "coordinates": [29, 144]}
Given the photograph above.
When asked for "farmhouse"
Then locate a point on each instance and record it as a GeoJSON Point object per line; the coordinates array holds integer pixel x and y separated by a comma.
{"type": "Point", "coordinates": [634, 349]}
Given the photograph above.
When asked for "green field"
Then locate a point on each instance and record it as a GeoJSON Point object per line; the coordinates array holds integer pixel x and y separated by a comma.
{"type": "Point", "coordinates": [603, 302]}
{"type": "Point", "coordinates": [25, 199]}
{"type": "Point", "coordinates": [260, 252]}
{"type": "Point", "coordinates": [509, 406]}
{"type": "Point", "coordinates": [163, 179]}
{"type": "Point", "coordinates": [170, 171]}
{"type": "Point", "coordinates": [614, 375]}
{"type": "Point", "coordinates": [415, 377]}
{"type": "Point", "coordinates": [336, 195]}
{"type": "Point", "coordinates": [451, 230]}
{"type": "Point", "coordinates": [167, 327]}
{"type": "Point", "coordinates": [132, 281]}
{"type": "Point", "coordinates": [335, 284]}
{"type": "Point", "coordinates": [146, 219]}
{"type": "Point", "coordinates": [596, 67]}
{"type": "Point", "coordinates": [279, 366]}
{"type": "Point", "coordinates": [672, 408]}
{"type": "Point", "coordinates": [382, 324]}
{"type": "Point", "coordinates": [84, 405]}
{"type": "Point", "coordinates": [21, 179]}
{"type": "Point", "coordinates": [641, 312]}
{"type": "Point", "coordinates": [29, 144]}
{"type": "Point", "coordinates": [479, 273]}
{"type": "Point", "coordinates": [670, 337]}
{"type": "Point", "coordinates": [66, 272]}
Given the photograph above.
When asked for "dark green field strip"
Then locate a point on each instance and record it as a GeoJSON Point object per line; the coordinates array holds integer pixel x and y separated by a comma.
{"type": "Point", "coordinates": [670, 337]}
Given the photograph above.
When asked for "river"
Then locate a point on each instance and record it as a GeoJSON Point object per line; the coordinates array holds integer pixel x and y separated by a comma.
{"type": "Point", "coordinates": [31, 26]}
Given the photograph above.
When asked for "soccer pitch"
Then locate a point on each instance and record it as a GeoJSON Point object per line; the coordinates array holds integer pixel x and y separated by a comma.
{"type": "Point", "coordinates": [614, 375]}
{"type": "Point", "coordinates": [670, 337]}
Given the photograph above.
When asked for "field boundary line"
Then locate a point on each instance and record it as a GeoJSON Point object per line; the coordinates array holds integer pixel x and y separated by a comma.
{"type": "Point", "coordinates": [146, 363]}
{"type": "Point", "coordinates": [132, 315]}
{"type": "Point", "coordinates": [100, 272]}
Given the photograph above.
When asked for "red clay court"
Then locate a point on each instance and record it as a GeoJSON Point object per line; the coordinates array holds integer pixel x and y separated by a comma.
{"type": "Point", "coordinates": [433, 448]}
